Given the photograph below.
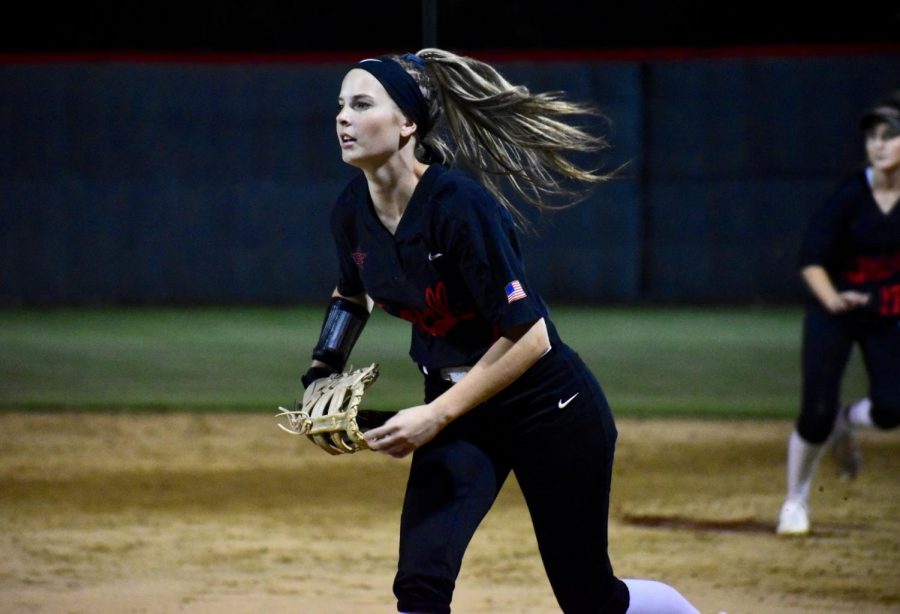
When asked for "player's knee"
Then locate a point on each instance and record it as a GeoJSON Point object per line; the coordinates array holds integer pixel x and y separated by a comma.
{"type": "Point", "coordinates": [423, 594]}
{"type": "Point", "coordinates": [814, 430]}
{"type": "Point", "coordinates": [886, 412]}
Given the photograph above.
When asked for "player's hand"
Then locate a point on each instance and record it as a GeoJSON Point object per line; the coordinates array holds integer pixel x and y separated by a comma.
{"type": "Point", "coordinates": [847, 301]}
{"type": "Point", "coordinates": [410, 429]}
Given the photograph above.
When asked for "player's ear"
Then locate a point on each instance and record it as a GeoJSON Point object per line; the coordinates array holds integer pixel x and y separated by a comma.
{"type": "Point", "coordinates": [408, 127]}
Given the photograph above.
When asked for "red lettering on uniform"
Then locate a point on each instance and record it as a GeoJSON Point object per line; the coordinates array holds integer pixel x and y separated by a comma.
{"type": "Point", "coordinates": [889, 305]}
{"type": "Point", "coordinates": [872, 268]}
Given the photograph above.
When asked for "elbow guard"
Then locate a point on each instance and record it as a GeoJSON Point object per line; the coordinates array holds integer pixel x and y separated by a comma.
{"type": "Point", "coordinates": [343, 324]}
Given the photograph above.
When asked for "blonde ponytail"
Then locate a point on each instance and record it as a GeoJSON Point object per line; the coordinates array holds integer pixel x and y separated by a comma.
{"type": "Point", "coordinates": [504, 133]}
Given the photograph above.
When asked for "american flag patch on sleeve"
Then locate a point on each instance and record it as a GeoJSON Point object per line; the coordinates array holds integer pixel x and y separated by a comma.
{"type": "Point", "coordinates": [514, 291]}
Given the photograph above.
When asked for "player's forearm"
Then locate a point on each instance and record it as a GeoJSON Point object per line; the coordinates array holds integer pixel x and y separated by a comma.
{"type": "Point", "coordinates": [502, 364]}
{"type": "Point", "coordinates": [343, 324]}
{"type": "Point", "coordinates": [819, 283]}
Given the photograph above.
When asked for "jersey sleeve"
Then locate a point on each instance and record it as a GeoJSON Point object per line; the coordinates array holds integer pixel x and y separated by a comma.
{"type": "Point", "coordinates": [342, 223]}
{"type": "Point", "coordinates": [821, 240]}
{"type": "Point", "coordinates": [479, 235]}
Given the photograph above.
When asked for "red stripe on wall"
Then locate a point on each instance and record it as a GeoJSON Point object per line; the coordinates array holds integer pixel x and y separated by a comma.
{"type": "Point", "coordinates": [511, 55]}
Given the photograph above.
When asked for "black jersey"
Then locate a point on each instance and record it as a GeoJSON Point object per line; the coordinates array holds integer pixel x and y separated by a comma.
{"type": "Point", "coordinates": [452, 268]}
{"type": "Point", "coordinates": [857, 243]}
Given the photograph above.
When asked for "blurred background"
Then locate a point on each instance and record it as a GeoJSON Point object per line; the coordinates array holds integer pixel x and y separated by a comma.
{"type": "Point", "coordinates": [185, 154]}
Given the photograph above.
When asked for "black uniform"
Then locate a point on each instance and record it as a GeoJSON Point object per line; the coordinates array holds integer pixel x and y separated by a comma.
{"type": "Point", "coordinates": [859, 247]}
{"type": "Point", "coordinates": [454, 270]}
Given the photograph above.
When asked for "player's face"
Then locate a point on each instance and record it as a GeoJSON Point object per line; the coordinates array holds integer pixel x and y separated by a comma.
{"type": "Point", "coordinates": [883, 147]}
{"type": "Point", "coordinates": [369, 123]}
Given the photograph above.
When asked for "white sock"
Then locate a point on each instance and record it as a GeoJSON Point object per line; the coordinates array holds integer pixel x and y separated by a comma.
{"type": "Point", "coordinates": [801, 465]}
{"type": "Point", "coordinates": [652, 597]}
{"type": "Point", "coordinates": [860, 413]}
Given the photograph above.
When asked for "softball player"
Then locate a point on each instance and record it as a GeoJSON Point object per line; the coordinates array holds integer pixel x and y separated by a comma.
{"type": "Point", "coordinates": [850, 261]}
{"type": "Point", "coordinates": [503, 393]}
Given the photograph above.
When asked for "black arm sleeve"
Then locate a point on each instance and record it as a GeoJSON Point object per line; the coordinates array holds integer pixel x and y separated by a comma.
{"type": "Point", "coordinates": [344, 321]}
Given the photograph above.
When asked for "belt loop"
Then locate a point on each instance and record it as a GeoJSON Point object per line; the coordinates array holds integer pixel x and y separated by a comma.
{"type": "Point", "coordinates": [446, 374]}
{"type": "Point", "coordinates": [454, 374]}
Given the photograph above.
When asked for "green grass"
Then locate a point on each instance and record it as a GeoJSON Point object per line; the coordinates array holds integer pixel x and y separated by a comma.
{"type": "Point", "coordinates": [685, 361]}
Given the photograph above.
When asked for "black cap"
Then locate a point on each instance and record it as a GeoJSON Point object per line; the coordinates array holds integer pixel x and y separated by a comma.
{"type": "Point", "coordinates": [887, 111]}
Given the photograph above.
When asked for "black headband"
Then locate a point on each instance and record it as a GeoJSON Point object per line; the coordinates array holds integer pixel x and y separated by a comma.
{"type": "Point", "coordinates": [401, 87]}
{"type": "Point", "coordinates": [888, 112]}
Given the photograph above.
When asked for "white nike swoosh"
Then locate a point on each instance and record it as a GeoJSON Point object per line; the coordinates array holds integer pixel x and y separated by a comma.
{"type": "Point", "coordinates": [567, 401]}
{"type": "Point", "coordinates": [433, 256]}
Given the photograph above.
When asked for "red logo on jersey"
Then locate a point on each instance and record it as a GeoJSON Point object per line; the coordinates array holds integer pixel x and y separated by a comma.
{"type": "Point", "coordinates": [889, 305]}
{"type": "Point", "coordinates": [359, 256]}
{"type": "Point", "coordinates": [437, 319]}
{"type": "Point", "coordinates": [872, 268]}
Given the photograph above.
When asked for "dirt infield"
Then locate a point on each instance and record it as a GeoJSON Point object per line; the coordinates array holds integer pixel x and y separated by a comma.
{"type": "Point", "coordinates": [198, 513]}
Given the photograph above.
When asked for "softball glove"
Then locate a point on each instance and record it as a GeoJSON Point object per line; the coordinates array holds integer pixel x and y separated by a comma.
{"type": "Point", "coordinates": [329, 413]}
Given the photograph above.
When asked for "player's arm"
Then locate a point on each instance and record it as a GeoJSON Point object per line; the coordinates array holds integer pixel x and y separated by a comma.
{"type": "Point", "coordinates": [344, 321]}
{"type": "Point", "coordinates": [819, 283]}
{"type": "Point", "coordinates": [504, 362]}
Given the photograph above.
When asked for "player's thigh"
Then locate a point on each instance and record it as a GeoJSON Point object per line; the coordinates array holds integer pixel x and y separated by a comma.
{"type": "Point", "coordinates": [881, 355]}
{"type": "Point", "coordinates": [452, 484]}
{"type": "Point", "coordinates": [564, 466]}
{"type": "Point", "coordinates": [827, 342]}
{"type": "Point", "coordinates": [564, 473]}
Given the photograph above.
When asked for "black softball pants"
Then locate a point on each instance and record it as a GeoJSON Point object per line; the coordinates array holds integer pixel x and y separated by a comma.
{"type": "Point", "coordinates": [827, 342]}
{"type": "Point", "coordinates": [562, 459]}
